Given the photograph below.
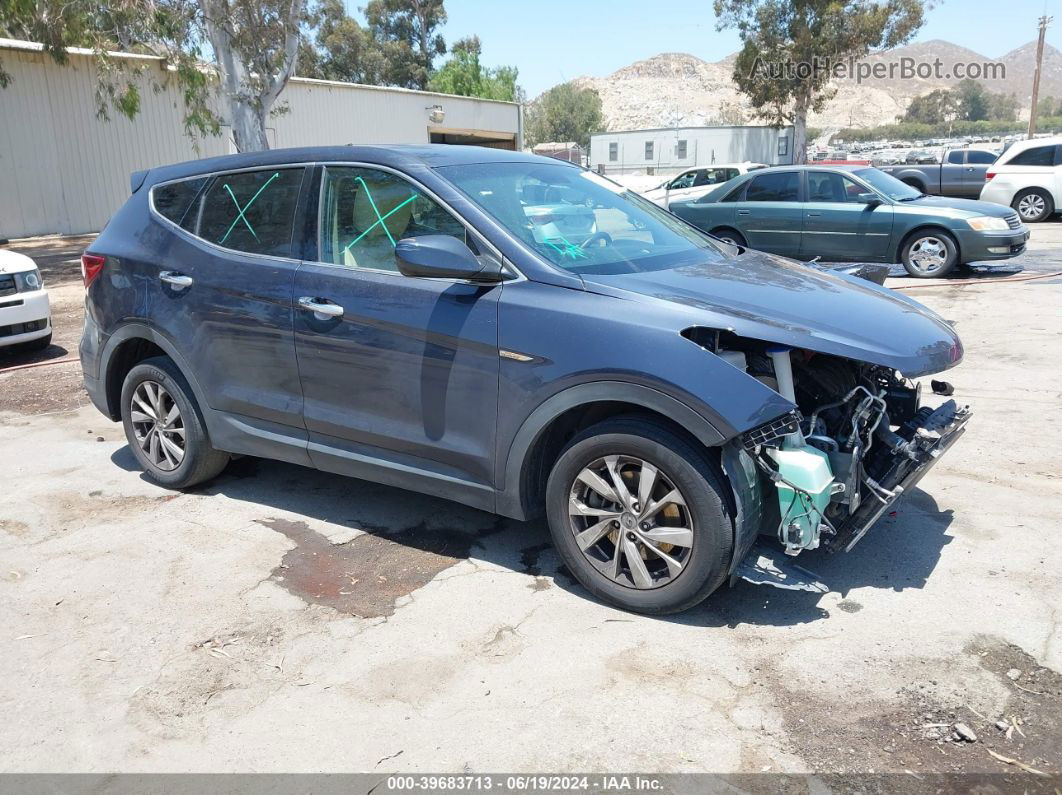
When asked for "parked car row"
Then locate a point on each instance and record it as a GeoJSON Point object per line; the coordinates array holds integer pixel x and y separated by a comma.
{"type": "Point", "coordinates": [855, 213]}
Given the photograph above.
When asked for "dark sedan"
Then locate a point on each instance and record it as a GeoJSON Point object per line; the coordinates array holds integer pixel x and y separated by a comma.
{"type": "Point", "coordinates": [855, 213]}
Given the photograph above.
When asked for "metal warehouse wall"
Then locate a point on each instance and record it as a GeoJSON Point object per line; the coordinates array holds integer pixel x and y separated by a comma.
{"type": "Point", "coordinates": [704, 146]}
{"type": "Point", "coordinates": [64, 171]}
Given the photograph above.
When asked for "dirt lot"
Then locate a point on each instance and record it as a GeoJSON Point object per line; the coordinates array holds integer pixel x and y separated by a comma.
{"type": "Point", "coordinates": [287, 620]}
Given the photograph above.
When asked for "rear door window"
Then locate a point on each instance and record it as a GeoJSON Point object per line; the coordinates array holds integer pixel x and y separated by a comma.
{"type": "Point", "coordinates": [978, 158]}
{"type": "Point", "coordinates": [1036, 156]}
{"type": "Point", "coordinates": [252, 211]}
{"type": "Point", "coordinates": [783, 186]}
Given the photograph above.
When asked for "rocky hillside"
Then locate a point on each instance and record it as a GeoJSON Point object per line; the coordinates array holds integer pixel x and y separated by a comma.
{"type": "Point", "coordinates": [678, 89]}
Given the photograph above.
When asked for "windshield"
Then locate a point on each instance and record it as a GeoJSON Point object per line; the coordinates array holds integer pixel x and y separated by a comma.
{"type": "Point", "coordinates": [580, 221]}
{"type": "Point", "coordinates": [888, 184]}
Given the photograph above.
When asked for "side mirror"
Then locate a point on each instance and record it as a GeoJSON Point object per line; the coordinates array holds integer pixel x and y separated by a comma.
{"type": "Point", "coordinates": [869, 199]}
{"type": "Point", "coordinates": [441, 257]}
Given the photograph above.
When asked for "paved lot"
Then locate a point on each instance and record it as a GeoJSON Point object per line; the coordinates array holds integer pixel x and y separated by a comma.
{"type": "Point", "coordinates": [283, 619]}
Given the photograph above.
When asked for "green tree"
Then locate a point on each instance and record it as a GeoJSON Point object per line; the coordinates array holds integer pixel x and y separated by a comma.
{"type": "Point", "coordinates": [1003, 107]}
{"type": "Point", "coordinates": [972, 100]}
{"type": "Point", "coordinates": [407, 32]}
{"type": "Point", "coordinates": [336, 47]}
{"type": "Point", "coordinates": [935, 107]}
{"type": "Point", "coordinates": [464, 75]}
{"type": "Point", "coordinates": [789, 48]}
{"type": "Point", "coordinates": [564, 113]}
{"type": "Point", "coordinates": [254, 43]}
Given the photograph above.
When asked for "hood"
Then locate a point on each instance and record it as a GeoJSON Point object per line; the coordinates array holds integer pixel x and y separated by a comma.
{"type": "Point", "coordinates": [960, 208]}
{"type": "Point", "coordinates": [13, 262]}
{"type": "Point", "coordinates": [770, 298]}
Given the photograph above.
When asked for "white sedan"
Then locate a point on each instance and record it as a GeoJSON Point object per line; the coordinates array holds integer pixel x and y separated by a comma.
{"type": "Point", "coordinates": [695, 182]}
{"type": "Point", "coordinates": [25, 312]}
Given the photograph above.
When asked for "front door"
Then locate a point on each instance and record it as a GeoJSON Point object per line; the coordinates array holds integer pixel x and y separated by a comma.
{"type": "Point", "coordinates": [838, 227]}
{"type": "Point", "coordinates": [399, 374]}
{"type": "Point", "coordinates": [771, 217]}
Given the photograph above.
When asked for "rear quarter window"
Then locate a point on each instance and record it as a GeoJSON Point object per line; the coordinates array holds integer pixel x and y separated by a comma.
{"type": "Point", "coordinates": [174, 200]}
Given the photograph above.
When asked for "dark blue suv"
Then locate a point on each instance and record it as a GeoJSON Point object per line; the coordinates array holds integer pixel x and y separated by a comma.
{"type": "Point", "coordinates": [519, 335]}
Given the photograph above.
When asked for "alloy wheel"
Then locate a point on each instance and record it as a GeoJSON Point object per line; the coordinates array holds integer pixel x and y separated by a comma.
{"type": "Point", "coordinates": [1031, 206]}
{"type": "Point", "coordinates": [157, 425]}
{"type": "Point", "coordinates": [630, 521]}
{"type": "Point", "coordinates": [929, 254]}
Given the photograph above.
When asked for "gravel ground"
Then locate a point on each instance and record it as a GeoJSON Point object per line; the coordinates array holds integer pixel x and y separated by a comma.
{"type": "Point", "coordinates": [282, 619]}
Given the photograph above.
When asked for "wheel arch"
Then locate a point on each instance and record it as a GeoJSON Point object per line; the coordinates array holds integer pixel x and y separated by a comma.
{"type": "Point", "coordinates": [129, 345]}
{"type": "Point", "coordinates": [925, 227]}
{"type": "Point", "coordinates": [546, 430]}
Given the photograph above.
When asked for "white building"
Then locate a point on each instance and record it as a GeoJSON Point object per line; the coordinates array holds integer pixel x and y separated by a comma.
{"type": "Point", "coordinates": [672, 149]}
{"type": "Point", "coordinates": [66, 171]}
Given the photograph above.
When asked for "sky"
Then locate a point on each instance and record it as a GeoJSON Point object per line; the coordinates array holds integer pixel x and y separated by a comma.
{"type": "Point", "coordinates": [551, 41]}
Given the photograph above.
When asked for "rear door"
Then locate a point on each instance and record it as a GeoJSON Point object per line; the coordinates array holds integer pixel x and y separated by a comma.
{"type": "Point", "coordinates": [838, 227]}
{"type": "Point", "coordinates": [973, 175]}
{"type": "Point", "coordinates": [400, 377]}
{"type": "Point", "coordinates": [952, 172]}
{"type": "Point", "coordinates": [220, 288]}
{"type": "Point", "coordinates": [771, 215]}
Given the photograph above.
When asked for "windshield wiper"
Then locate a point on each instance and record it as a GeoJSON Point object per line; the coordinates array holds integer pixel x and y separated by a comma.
{"type": "Point", "coordinates": [912, 198]}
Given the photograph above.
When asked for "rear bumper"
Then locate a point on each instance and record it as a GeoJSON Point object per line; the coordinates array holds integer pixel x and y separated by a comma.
{"type": "Point", "coordinates": [24, 317]}
{"type": "Point", "coordinates": [976, 246]}
{"type": "Point", "coordinates": [89, 351]}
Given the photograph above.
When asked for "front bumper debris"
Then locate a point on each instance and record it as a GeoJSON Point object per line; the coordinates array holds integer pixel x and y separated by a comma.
{"type": "Point", "coordinates": [933, 441]}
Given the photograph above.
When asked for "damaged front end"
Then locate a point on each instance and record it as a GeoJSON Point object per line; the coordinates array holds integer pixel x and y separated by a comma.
{"type": "Point", "coordinates": [859, 438]}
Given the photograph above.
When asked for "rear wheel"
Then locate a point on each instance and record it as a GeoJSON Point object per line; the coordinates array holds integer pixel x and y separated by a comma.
{"type": "Point", "coordinates": [731, 236]}
{"type": "Point", "coordinates": [638, 516]}
{"type": "Point", "coordinates": [930, 254]}
{"type": "Point", "coordinates": [164, 429]}
{"type": "Point", "coordinates": [1033, 205]}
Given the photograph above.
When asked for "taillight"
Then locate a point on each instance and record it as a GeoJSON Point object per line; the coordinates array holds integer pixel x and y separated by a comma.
{"type": "Point", "coordinates": [989, 175]}
{"type": "Point", "coordinates": [91, 266]}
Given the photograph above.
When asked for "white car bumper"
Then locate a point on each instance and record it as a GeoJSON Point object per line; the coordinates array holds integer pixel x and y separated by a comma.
{"type": "Point", "coordinates": [24, 317]}
{"type": "Point", "coordinates": [998, 191]}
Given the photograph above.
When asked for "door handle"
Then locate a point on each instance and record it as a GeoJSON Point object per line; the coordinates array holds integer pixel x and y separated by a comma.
{"type": "Point", "coordinates": [323, 309]}
{"type": "Point", "coordinates": [814, 213]}
{"type": "Point", "coordinates": [178, 280]}
{"type": "Point", "coordinates": [743, 212]}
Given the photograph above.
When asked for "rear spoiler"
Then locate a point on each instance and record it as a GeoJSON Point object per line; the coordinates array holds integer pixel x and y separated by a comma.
{"type": "Point", "coordinates": [136, 179]}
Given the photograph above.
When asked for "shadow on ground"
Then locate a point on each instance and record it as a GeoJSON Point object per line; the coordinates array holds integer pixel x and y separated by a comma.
{"type": "Point", "coordinates": [408, 538]}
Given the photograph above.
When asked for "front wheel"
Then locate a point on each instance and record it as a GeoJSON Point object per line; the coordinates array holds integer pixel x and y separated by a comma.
{"type": "Point", "coordinates": [164, 429]}
{"type": "Point", "coordinates": [929, 255]}
{"type": "Point", "coordinates": [638, 516]}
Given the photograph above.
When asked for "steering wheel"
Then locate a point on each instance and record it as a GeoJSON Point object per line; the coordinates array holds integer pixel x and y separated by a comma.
{"type": "Point", "coordinates": [595, 237]}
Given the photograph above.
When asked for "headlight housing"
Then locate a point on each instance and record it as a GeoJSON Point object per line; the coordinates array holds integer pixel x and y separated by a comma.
{"type": "Point", "coordinates": [28, 281]}
{"type": "Point", "coordinates": [984, 223]}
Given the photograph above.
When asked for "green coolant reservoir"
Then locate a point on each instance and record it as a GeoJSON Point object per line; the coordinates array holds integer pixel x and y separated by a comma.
{"type": "Point", "coordinates": [808, 468]}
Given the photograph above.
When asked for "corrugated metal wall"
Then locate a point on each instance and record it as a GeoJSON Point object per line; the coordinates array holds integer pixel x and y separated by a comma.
{"type": "Point", "coordinates": [64, 171]}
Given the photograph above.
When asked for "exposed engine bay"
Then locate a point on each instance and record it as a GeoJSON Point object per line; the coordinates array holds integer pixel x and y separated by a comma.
{"type": "Point", "coordinates": [859, 439]}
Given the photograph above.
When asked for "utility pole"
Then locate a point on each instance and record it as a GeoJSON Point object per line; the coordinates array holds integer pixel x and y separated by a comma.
{"type": "Point", "coordinates": [1044, 22]}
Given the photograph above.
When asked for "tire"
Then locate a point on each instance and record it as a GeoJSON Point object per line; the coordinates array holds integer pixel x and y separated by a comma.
{"type": "Point", "coordinates": [703, 512]}
{"type": "Point", "coordinates": [1033, 205]}
{"type": "Point", "coordinates": [929, 254]}
{"type": "Point", "coordinates": [731, 236]}
{"type": "Point", "coordinates": [913, 183]}
{"type": "Point", "coordinates": [198, 461]}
